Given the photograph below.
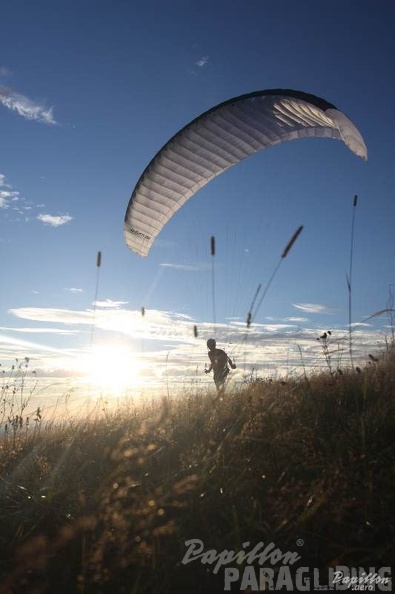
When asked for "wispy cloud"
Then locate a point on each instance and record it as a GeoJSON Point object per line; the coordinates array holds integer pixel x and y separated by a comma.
{"type": "Point", "coordinates": [203, 61]}
{"type": "Point", "coordinates": [74, 290]}
{"type": "Point", "coordinates": [297, 319]}
{"type": "Point", "coordinates": [7, 194]}
{"type": "Point", "coordinates": [25, 107]}
{"type": "Point", "coordinates": [61, 331]}
{"type": "Point", "coordinates": [11, 346]}
{"type": "Point", "coordinates": [17, 208]}
{"type": "Point", "coordinates": [155, 325]}
{"type": "Point", "coordinates": [46, 314]}
{"type": "Point", "coordinates": [313, 308]}
{"type": "Point", "coordinates": [187, 267]}
{"type": "Point", "coordinates": [54, 221]}
{"type": "Point", "coordinates": [109, 303]}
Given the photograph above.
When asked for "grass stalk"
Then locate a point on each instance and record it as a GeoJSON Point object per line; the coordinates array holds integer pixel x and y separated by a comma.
{"type": "Point", "coordinates": [252, 314]}
{"type": "Point", "coordinates": [212, 250]}
{"type": "Point", "coordinates": [349, 283]}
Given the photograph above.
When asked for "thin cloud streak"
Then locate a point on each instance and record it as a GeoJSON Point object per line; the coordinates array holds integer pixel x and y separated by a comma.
{"type": "Point", "coordinates": [25, 107]}
{"type": "Point", "coordinates": [42, 314]}
{"type": "Point", "coordinates": [187, 267]}
{"type": "Point", "coordinates": [7, 341]}
{"type": "Point", "coordinates": [54, 221]}
{"type": "Point", "coordinates": [313, 308]}
{"type": "Point", "coordinates": [59, 331]}
{"type": "Point", "coordinates": [154, 325]}
{"type": "Point", "coordinates": [109, 303]}
{"type": "Point", "coordinates": [74, 290]}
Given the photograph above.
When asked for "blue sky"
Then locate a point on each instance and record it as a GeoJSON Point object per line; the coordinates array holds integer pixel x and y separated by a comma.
{"type": "Point", "coordinates": [90, 91]}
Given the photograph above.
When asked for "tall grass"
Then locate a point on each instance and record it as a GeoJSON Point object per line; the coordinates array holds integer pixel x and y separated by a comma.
{"type": "Point", "coordinates": [106, 505]}
{"type": "Point", "coordinates": [16, 392]}
{"type": "Point", "coordinates": [349, 280]}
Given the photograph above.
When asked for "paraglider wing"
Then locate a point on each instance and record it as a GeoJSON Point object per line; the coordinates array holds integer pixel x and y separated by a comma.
{"type": "Point", "coordinates": [220, 138]}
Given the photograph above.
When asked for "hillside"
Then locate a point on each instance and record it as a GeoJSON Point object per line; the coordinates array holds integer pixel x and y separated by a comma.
{"type": "Point", "coordinates": [106, 506]}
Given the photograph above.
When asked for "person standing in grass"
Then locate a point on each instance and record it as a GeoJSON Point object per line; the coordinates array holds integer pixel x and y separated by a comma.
{"type": "Point", "coordinates": [219, 361]}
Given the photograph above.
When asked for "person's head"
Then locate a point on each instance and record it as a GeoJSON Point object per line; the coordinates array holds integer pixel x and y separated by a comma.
{"type": "Point", "coordinates": [211, 344]}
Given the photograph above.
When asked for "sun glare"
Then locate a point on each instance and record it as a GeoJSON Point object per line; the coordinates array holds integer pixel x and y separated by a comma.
{"type": "Point", "coordinates": [113, 367]}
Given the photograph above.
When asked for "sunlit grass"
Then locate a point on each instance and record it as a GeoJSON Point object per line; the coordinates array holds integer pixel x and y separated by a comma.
{"type": "Point", "coordinates": [106, 504]}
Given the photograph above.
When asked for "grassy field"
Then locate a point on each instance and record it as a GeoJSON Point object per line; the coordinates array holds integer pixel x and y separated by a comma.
{"type": "Point", "coordinates": [106, 505]}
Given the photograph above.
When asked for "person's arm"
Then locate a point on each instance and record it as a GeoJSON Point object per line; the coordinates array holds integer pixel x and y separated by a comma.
{"type": "Point", "coordinates": [233, 365]}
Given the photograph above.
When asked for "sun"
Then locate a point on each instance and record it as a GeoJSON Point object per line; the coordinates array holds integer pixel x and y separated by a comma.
{"type": "Point", "coordinates": [113, 367]}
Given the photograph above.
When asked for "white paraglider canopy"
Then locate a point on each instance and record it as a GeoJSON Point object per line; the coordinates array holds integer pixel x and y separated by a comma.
{"type": "Point", "coordinates": [219, 139]}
